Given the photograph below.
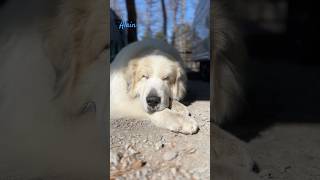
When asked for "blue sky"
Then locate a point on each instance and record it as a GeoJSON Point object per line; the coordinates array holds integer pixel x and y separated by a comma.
{"type": "Point", "coordinates": [156, 15]}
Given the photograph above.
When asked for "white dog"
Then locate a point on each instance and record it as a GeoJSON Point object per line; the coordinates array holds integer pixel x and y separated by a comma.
{"type": "Point", "coordinates": [145, 78]}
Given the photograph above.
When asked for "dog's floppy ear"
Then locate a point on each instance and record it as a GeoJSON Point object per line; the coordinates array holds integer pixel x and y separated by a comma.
{"type": "Point", "coordinates": [131, 77]}
{"type": "Point", "coordinates": [75, 36]}
{"type": "Point", "coordinates": [179, 87]}
{"type": "Point", "coordinates": [75, 40]}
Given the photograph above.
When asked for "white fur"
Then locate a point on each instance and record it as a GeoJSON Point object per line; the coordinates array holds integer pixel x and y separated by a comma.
{"type": "Point", "coordinates": [140, 68]}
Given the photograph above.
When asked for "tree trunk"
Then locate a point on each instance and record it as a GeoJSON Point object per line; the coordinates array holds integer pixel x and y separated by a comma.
{"type": "Point", "coordinates": [132, 18]}
{"type": "Point", "coordinates": [175, 4]}
{"type": "Point", "coordinates": [164, 14]}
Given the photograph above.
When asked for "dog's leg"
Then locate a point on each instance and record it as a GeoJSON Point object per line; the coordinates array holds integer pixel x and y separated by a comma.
{"type": "Point", "coordinates": [179, 108]}
{"type": "Point", "coordinates": [174, 121]}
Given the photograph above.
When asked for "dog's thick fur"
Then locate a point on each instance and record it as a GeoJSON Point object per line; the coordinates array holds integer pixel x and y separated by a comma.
{"type": "Point", "coordinates": [144, 68]}
{"type": "Point", "coordinates": [53, 57]}
{"type": "Point", "coordinates": [229, 64]}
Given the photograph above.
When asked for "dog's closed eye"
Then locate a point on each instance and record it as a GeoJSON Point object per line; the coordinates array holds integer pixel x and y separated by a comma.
{"type": "Point", "coordinates": [165, 78]}
{"type": "Point", "coordinates": [145, 76]}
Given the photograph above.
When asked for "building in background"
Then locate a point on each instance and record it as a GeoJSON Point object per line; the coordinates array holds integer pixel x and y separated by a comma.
{"type": "Point", "coordinates": [200, 59]}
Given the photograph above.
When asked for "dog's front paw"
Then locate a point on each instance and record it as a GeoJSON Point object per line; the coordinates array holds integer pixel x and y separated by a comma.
{"type": "Point", "coordinates": [175, 122]}
{"type": "Point", "coordinates": [185, 125]}
{"type": "Point", "coordinates": [178, 107]}
{"type": "Point", "coordinates": [190, 126]}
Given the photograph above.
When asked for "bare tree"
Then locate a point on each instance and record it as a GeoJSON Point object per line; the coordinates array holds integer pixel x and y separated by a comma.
{"type": "Point", "coordinates": [175, 7]}
{"type": "Point", "coordinates": [164, 15]}
{"type": "Point", "coordinates": [115, 6]}
{"type": "Point", "coordinates": [148, 18]}
{"type": "Point", "coordinates": [132, 17]}
{"type": "Point", "coordinates": [183, 11]}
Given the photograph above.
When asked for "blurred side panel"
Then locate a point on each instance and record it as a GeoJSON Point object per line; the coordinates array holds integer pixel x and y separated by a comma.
{"type": "Point", "coordinates": [53, 87]}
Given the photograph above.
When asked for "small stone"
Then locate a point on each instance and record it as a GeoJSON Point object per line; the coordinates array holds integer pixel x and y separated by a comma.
{"type": "Point", "coordinates": [196, 176]}
{"type": "Point", "coordinates": [174, 171]}
{"type": "Point", "coordinates": [191, 151]}
{"type": "Point", "coordinates": [163, 139]}
{"type": "Point", "coordinates": [127, 146]}
{"type": "Point", "coordinates": [133, 141]}
{"type": "Point", "coordinates": [170, 155]}
{"type": "Point", "coordinates": [144, 172]}
{"type": "Point", "coordinates": [138, 174]}
{"type": "Point", "coordinates": [159, 145]}
{"type": "Point", "coordinates": [114, 158]}
{"type": "Point", "coordinates": [131, 151]}
{"type": "Point", "coordinates": [120, 178]}
{"type": "Point", "coordinates": [185, 173]}
{"type": "Point", "coordinates": [172, 144]}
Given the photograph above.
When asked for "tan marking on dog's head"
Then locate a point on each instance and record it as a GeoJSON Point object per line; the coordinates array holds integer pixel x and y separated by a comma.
{"type": "Point", "coordinates": [179, 84]}
{"type": "Point", "coordinates": [131, 76]}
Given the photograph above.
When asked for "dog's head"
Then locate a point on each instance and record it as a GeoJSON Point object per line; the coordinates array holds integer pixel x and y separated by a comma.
{"type": "Point", "coordinates": [155, 79]}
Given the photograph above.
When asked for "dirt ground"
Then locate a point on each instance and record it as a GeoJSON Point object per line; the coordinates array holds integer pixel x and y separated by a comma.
{"type": "Point", "coordinates": [283, 136]}
{"type": "Point", "coordinates": [140, 150]}
{"type": "Point", "coordinates": [288, 151]}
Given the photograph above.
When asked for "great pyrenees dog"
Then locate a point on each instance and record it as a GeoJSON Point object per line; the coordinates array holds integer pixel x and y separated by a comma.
{"type": "Point", "coordinates": [146, 79]}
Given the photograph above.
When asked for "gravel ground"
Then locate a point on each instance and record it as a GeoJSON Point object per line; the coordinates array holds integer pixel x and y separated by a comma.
{"type": "Point", "coordinates": [282, 151]}
{"type": "Point", "coordinates": [140, 150]}
{"type": "Point", "coordinates": [283, 136]}
{"type": "Point", "coordinates": [288, 152]}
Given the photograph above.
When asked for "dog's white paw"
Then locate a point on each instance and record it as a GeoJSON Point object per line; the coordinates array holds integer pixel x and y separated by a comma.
{"type": "Point", "coordinates": [174, 121]}
{"type": "Point", "coordinates": [179, 108]}
{"type": "Point", "coordinates": [185, 125]}
{"type": "Point", "coordinates": [190, 126]}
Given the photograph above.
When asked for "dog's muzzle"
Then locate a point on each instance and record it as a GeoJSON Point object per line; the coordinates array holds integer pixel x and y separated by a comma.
{"type": "Point", "coordinates": [153, 100]}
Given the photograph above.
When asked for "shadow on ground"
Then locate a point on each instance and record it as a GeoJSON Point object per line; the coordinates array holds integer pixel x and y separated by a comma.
{"type": "Point", "coordinates": [282, 126]}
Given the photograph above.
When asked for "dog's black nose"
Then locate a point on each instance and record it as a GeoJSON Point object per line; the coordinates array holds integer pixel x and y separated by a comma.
{"type": "Point", "coordinates": [152, 101]}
